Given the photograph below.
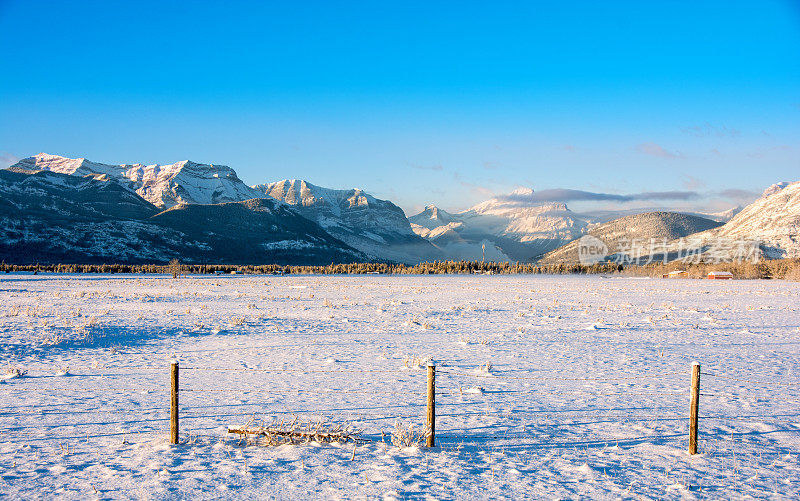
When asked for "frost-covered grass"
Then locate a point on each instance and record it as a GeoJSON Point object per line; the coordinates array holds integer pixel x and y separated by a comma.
{"type": "Point", "coordinates": [547, 386]}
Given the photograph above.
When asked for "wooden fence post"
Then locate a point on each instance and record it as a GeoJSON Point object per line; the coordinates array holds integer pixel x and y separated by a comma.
{"type": "Point", "coordinates": [431, 439]}
{"type": "Point", "coordinates": [173, 404]}
{"type": "Point", "coordinates": [693, 409]}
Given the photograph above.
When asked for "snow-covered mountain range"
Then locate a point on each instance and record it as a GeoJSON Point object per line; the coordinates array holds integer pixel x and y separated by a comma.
{"type": "Point", "coordinates": [636, 229]}
{"type": "Point", "coordinates": [515, 227]}
{"type": "Point", "coordinates": [376, 227]}
{"type": "Point", "coordinates": [773, 221]}
{"type": "Point", "coordinates": [769, 227]}
{"type": "Point", "coordinates": [47, 216]}
{"type": "Point", "coordinates": [509, 228]}
{"type": "Point", "coordinates": [183, 182]}
{"type": "Point", "coordinates": [46, 199]}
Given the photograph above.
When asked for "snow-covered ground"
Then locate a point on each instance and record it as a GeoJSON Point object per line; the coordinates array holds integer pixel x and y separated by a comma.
{"type": "Point", "coordinates": [587, 394]}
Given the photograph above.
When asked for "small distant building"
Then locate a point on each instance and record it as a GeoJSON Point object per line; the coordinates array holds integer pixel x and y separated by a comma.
{"type": "Point", "coordinates": [720, 275]}
{"type": "Point", "coordinates": [236, 272]}
{"type": "Point", "coordinates": [677, 274]}
{"type": "Point", "coordinates": [219, 272]}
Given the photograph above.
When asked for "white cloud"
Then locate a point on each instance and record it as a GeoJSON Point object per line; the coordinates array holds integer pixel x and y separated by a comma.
{"type": "Point", "coordinates": [655, 150]}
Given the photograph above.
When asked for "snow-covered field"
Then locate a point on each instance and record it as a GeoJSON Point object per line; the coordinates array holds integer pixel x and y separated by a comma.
{"type": "Point", "coordinates": [586, 395]}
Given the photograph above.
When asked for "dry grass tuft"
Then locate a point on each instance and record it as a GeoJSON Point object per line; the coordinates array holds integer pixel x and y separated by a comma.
{"type": "Point", "coordinates": [415, 362]}
{"type": "Point", "coordinates": [408, 436]}
{"type": "Point", "coordinates": [236, 321]}
{"type": "Point", "coordinates": [12, 371]}
{"type": "Point", "coordinates": [280, 432]}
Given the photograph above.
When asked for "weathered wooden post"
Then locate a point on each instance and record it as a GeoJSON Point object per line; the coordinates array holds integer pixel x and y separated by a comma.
{"type": "Point", "coordinates": [431, 439]}
{"type": "Point", "coordinates": [693, 409]}
{"type": "Point", "coordinates": [173, 401]}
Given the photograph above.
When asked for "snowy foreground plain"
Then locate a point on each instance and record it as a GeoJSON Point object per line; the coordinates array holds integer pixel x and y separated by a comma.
{"type": "Point", "coordinates": [587, 395]}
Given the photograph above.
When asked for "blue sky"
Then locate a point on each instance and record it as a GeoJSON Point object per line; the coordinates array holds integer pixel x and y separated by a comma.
{"type": "Point", "coordinates": [418, 102]}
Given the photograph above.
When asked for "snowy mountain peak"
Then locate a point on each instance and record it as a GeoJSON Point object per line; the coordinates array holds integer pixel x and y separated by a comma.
{"type": "Point", "coordinates": [773, 220]}
{"type": "Point", "coordinates": [190, 182]}
{"type": "Point", "coordinates": [775, 188]}
{"type": "Point", "coordinates": [435, 212]}
{"type": "Point", "coordinates": [377, 227]}
{"type": "Point", "coordinates": [183, 182]}
{"type": "Point", "coordinates": [517, 227]}
{"type": "Point", "coordinates": [432, 217]}
{"type": "Point", "coordinates": [302, 193]}
{"type": "Point", "coordinates": [71, 166]}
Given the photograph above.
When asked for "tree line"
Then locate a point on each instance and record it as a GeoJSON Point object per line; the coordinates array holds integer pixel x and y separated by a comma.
{"type": "Point", "coordinates": [777, 268]}
{"type": "Point", "coordinates": [428, 268]}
